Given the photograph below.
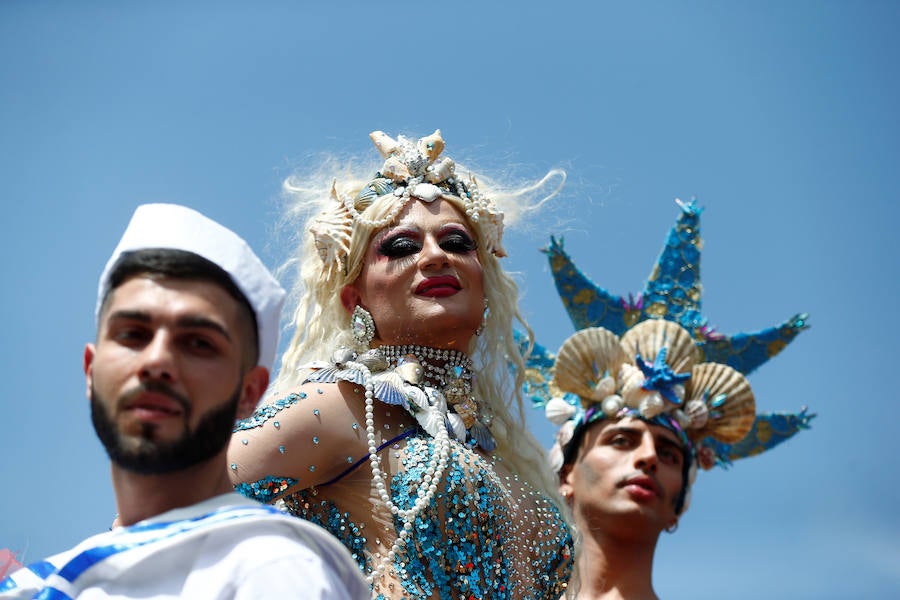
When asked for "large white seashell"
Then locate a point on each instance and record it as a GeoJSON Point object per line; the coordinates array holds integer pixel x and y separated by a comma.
{"type": "Point", "coordinates": [426, 192]}
{"type": "Point", "coordinates": [649, 337]}
{"type": "Point", "coordinates": [558, 411]}
{"type": "Point", "coordinates": [431, 145]}
{"type": "Point", "coordinates": [417, 397]}
{"type": "Point", "coordinates": [374, 360]}
{"type": "Point", "coordinates": [440, 170]}
{"type": "Point", "coordinates": [331, 231]}
{"type": "Point", "coordinates": [697, 413]}
{"type": "Point", "coordinates": [431, 420]}
{"type": "Point", "coordinates": [458, 426]}
{"type": "Point", "coordinates": [683, 420]}
{"type": "Point", "coordinates": [395, 169]}
{"type": "Point", "coordinates": [410, 370]}
{"type": "Point", "coordinates": [631, 379]}
{"type": "Point", "coordinates": [710, 381]}
{"type": "Point", "coordinates": [586, 358]}
{"type": "Point", "coordinates": [651, 405]}
{"type": "Point", "coordinates": [555, 458]}
{"type": "Point", "coordinates": [565, 433]}
{"type": "Point", "coordinates": [342, 355]}
{"type": "Point", "coordinates": [612, 405]}
{"type": "Point", "coordinates": [606, 387]}
{"type": "Point", "coordinates": [386, 144]}
{"type": "Point", "coordinates": [493, 233]}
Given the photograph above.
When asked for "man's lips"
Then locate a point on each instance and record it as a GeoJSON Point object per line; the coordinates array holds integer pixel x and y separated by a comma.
{"type": "Point", "coordinates": [641, 486]}
{"type": "Point", "coordinates": [442, 285]}
{"type": "Point", "coordinates": [154, 402]}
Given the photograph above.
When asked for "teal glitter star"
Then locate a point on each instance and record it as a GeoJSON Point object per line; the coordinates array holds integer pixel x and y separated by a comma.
{"type": "Point", "coordinates": [672, 292]}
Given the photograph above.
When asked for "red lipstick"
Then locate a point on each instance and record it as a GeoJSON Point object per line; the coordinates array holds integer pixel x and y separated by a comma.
{"type": "Point", "coordinates": [438, 287]}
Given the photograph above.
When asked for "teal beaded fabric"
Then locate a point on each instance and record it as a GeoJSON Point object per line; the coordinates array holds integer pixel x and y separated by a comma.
{"type": "Point", "coordinates": [485, 534]}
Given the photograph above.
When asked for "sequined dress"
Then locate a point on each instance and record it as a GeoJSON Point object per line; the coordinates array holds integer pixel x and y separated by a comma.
{"type": "Point", "coordinates": [482, 534]}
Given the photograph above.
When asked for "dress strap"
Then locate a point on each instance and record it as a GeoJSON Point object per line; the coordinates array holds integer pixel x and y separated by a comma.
{"type": "Point", "coordinates": [365, 458]}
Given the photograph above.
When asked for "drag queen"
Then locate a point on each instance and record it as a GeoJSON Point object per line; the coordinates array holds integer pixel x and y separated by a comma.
{"type": "Point", "coordinates": [396, 422]}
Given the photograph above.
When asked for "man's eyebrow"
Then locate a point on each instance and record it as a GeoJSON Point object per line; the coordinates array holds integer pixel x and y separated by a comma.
{"type": "Point", "coordinates": [192, 321]}
{"type": "Point", "coordinates": [203, 323]}
{"type": "Point", "coordinates": [665, 439]}
{"type": "Point", "coordinates": [129, 315]}
{"type": "Point", "coordinates": [622, 429]}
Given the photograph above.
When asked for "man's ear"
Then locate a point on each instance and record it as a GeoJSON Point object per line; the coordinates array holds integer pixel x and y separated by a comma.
{"type": "Point", "coordinates": [88, 366]}
{"type": "Point", "coordinates": [349, 297]}
{"type": "Point", "coordinates": [254, 385]}
{"type": "Point", "coordinates": [565, 481]}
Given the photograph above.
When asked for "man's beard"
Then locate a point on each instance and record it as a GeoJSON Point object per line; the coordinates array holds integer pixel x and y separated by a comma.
{"type": "Point", "coordinates": [149, 456]}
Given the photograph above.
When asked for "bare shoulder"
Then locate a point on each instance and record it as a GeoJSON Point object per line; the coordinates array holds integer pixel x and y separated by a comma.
{"type": "Point", "coordinates": [300, 437]}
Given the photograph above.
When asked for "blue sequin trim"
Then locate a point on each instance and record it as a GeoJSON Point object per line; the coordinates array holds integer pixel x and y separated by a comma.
{"type": "Point", "coordinates": [265, 490]}
{"type": "Point", "coordinates": [267, 411]}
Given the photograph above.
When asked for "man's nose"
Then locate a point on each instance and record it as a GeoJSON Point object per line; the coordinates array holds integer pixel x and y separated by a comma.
{"type": "Point", "coordinates": [158, 359]}
{"type": "Point", "coordinates": [645, 457]}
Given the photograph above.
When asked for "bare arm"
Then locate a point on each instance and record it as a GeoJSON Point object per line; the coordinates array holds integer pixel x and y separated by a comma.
{"type": "Point", "coordinates": [304, 438]}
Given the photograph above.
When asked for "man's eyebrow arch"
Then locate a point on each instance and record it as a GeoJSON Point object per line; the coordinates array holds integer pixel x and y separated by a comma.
{"type": "Point", "coordinates": [203, 322]}
{"type": "Point", "coordinates": [187, 322]}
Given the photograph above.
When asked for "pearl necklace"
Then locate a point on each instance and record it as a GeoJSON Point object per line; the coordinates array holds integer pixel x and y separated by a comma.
{"type": "Point", "coordinates": [426, 490]}
{"type": "Point", "coordinates": [436, 375]}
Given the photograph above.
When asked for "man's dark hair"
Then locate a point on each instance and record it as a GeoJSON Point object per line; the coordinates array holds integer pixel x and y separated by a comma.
{"type": "Point", "coordinates": [181, 264]}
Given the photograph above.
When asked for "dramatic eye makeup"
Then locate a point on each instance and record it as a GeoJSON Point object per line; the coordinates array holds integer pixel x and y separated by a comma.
{"type": "Point", "coordinates": [457, 240]}
{"type": "Point", "coordinates": [406, 242]}
{"type": "Point", "coordinates": [399, 244]}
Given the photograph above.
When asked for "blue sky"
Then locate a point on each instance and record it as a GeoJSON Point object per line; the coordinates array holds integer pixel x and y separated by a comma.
{"type": "Point", "coordinates": [780, 118]}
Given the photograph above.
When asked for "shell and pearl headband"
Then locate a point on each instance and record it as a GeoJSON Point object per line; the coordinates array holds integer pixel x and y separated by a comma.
{"type": "Point", "coordinates": [413, 169]}
{"type": "Point", "coordinates": [653, 373]}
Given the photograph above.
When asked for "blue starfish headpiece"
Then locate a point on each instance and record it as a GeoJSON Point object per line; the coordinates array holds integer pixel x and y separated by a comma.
{"type": "Point", "coordinates": [672, 293]}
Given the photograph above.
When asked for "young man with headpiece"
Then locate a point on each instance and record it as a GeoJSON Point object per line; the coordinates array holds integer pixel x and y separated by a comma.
{"type": "Point", "coordinates": [187, 331]}
{"type": "Point", "coordinates": [643, 393]}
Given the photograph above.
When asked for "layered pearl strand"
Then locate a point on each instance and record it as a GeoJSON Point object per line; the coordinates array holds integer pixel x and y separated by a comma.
{"type": "Point", "coordinates": [424, 494]}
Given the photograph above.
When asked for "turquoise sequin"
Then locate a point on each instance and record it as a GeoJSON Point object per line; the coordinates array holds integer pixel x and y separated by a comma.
{"type": "Point", "coordinates": [266, 412]}
{"type": "Point", "coordinates": [266, 489]}
{"type": "Point", "coordinates": [473, 540]}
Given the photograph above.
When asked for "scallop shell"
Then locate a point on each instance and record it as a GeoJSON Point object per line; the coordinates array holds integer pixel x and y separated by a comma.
{"type": "Point", "coordinates": [558, 411]}
{"type": "Point", "coordinates": [373, 360]}
{"type": "Point", "coordinates": [737, 410]}
{"type": "Point", "coordinates": [426, 192]}
{"type": "Point", "coordinates": [376, 188]}
{"type": "Point", "coordinates": [331, 232]}
{"type": "Point", "coordinates": [649, 337]}
{"type": "Point", "coordinates": [585, 359]}
{"type": "Point", "coordinates": [457, 426]}
{"type": "Point", "coordinates": [482, 435]}
{"type": "Point", "coordinates": [697, 413]}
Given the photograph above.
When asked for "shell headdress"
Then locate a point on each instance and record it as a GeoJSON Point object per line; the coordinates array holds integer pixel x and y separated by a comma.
{"type": "Point", "coordinates": [412, 169]}
{"type": "Point", "coordinates": [665, 315]}
{"type": "Point", "coordinates": [652, 373]}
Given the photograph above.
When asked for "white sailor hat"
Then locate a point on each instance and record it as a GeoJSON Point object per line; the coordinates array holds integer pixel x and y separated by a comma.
{"type": "Point", "coordinates": [180, 228]}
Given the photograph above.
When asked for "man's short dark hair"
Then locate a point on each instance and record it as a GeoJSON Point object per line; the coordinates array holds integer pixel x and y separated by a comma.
{"type": "Point", "coordinates": [180, 264]}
